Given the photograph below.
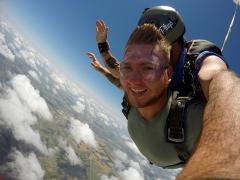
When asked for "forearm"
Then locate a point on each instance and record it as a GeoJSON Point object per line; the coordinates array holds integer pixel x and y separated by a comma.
{"type": "Point", "coordinates": [217, 153]}
{"type": "Point", "coordinates": [109, 76]}
{"type": "Point", "coordinates": [113, 80]}
{"type": "Point", "coordinates": [111, 63]}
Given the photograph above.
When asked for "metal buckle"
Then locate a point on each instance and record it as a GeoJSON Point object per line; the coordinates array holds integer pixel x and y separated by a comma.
{"type": "Point", "coordinates": [176, 135]}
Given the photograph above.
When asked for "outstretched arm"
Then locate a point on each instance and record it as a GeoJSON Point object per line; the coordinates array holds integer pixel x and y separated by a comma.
{"type": "Point", "coordinates": [95, 63]}
{"type": "Point", "coordinates": [109, 60]}
{"type": "Point", "coordinates": [217, 153]}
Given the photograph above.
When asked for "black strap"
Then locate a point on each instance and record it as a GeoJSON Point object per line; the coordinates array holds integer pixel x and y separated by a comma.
{"type": "Point", "coordinates": [125, 106]}
{"type": "Point", "coordinates": [175, 125]}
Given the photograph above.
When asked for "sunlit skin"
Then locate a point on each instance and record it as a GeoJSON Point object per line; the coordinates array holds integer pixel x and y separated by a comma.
{"type": "Point", "coordinates": [149, 96]}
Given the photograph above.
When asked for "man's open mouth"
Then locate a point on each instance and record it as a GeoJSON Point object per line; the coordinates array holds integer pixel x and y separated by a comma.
{"type": "Point", "coordinates": [138, 91]}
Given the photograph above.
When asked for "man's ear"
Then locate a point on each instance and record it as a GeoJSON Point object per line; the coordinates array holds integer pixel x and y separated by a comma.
{"type": "Point", "coordinates": [169, 73]}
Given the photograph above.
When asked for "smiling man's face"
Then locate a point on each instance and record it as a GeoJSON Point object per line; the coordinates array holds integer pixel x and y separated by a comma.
{"type": "Point", "coordinates": [143, 74]}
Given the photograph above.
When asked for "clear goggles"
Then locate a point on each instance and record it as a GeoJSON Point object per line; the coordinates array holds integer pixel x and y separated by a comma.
{"type": "Point", "coordinates": [148, 71]}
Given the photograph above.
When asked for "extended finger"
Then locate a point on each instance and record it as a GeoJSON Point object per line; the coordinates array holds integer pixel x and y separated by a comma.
{"type": "Point", "coordinates": [102, 25]}
{"type": "Point", "coordinates": [91, 55]}
{"type": "Point", "coordinates": [98, 25]}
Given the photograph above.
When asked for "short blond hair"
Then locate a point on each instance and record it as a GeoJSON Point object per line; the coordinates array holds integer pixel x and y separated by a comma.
{"type": "Point", "coordinates": [150, 34]}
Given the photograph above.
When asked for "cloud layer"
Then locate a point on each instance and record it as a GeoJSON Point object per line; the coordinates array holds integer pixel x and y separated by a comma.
{"type": "Point", "coordinates": [18, 108]}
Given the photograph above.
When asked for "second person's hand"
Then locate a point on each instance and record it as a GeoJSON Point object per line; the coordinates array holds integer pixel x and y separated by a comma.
{"type": "Point", "coordinates": [95, 63]}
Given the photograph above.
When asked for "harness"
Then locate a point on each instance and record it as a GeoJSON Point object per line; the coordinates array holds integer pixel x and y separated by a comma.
{"type": "Point", "coordinates": [183, 92]}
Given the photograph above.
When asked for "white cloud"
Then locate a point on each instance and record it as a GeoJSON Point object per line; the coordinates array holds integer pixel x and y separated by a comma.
{"type": "Point", "coordinates": [16, 111]}
{"type": "Point", "coordinates": [92, 111]}
{"type": "Point", "coordinates": [131, 173]}
{"type": "Point", "coordinates": [125, 169]}
{"type": "Point", "coordinates": [72, 157]}
{"type": "Point", "coordinates": [18, 41]}
{"type": "Point", "coordinates": [104, 177]}
{"type": "Point", "coordinates": [46, 79]}
{"type": "Point", "coordinates": [125, 137]}
{"type": "Point", "coordinates": [26, 167]}
{"type": "Point", "coordinates": [29, 57]}
{"type": "Point", "coordinates": [80, 105]}
{"type": "Point", "coordinates": [4, 27]}
{"type": "Point", "coordinates": [121, 155]}
{"type": "Point", "coordinates": [115, 125]}
{"type": "Point", "coordinates": [70, 153]}
{"type": "Point", "coordinates": [4, 50]}
{"type": "Point", "coordinates": [133, 147]}
{"type": "Point", "coordinates": [73, 88]}
{"type": "Point", "coordinates": [34, 75]}
{"type": "Point", "coordinates": [170, 174]}
{"type": "Point", "coordinates": [104, 118]}
{"type": "Point", "coordinates": [57, 86]}
{"type": "Point", "coordinates": [30, 96]}
{"type": "Point", "coordinates": [59, 80]}
{"type": "Point", "coordinates": [120, 158]}
{"type": "Point", "coordinates": [82, 132]}
{"type": "Point", "coordinates": [237, 1]}
{"type": "Point", "coordinates": [54, 91]}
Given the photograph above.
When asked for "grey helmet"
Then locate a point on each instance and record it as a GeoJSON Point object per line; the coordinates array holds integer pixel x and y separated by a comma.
{"type": "Point", "coordinates": [167, 19]}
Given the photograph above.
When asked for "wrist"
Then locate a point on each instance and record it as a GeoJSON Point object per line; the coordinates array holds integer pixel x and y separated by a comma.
{"type": "Point", "coordinates": [103, 47]}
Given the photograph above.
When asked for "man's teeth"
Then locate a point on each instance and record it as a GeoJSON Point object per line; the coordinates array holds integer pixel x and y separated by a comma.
{"type": "Point", "coordinates": [138, 90]}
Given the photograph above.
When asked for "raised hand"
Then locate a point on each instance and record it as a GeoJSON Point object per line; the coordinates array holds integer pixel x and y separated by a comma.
{"type": "Point", "coordinates": [95, 63]}
{"type": "Point", "coordinates": [101, 31]}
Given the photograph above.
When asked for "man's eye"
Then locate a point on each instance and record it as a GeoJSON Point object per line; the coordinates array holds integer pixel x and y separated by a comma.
{"type": "Point", "coordinates": [147, 68]}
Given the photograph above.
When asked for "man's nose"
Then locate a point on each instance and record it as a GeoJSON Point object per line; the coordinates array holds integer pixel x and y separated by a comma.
{"type": "Point", "coordinates": [135, 77]}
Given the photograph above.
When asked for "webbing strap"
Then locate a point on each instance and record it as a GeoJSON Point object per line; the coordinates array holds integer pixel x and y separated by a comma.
{"type": "Point", "coordinates": [125, 106]}
{"type": "Point", "coordinates": [175, 128]}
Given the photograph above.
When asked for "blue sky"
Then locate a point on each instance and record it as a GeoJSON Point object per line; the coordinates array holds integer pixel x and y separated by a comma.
{"type": "Point", "coordinates": [65, 30]}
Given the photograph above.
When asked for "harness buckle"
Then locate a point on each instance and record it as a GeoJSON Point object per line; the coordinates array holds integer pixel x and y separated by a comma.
{"type": "Point", "coordinates": [176, 135]}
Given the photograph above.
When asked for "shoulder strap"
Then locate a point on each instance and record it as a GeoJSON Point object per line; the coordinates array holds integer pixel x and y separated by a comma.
{"type": "Point", "coordinates": [195, 47]}
{"type": "Point", "coordinates": [189, 89]}
{"type": "Point", "coordinates": [191, 85]}
{"type": "Point", "coordinates": [175, 125]}
{"type": "Point", "coordinates": [125, 106]}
